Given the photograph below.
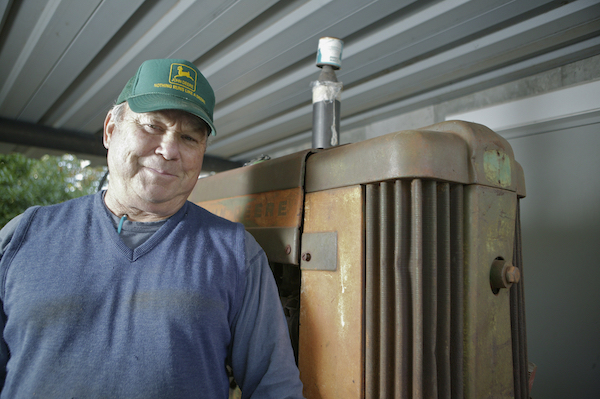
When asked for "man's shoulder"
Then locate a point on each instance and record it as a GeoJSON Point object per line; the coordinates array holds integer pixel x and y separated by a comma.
{"type": "Point", "coordinates": [218, 226]}
{"type": "Point", "coordinates": [74, 202]}
{"type": "Point", "coordinates": [8, 230]}
{"type": "Point", "coordinates": [67, 210]}
{"type": "Point", "coordinates": [211, 218]}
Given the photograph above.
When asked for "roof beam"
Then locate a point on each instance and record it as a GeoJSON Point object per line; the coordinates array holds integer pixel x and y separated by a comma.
{"type": "Point", "coordinates": [29, 134]}
{"type": "Point", "coordinates": [521, 41]}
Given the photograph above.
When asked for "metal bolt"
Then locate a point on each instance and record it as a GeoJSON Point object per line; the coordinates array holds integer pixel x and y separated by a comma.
{"type": "Point", "coordinates": [512, 274]}
{"type": "Point", "coordinates": [503, 275]}
{"type": "Point", "coordinates": [306, 257]}
{"type": "Point", "coordinates": [288, 250]}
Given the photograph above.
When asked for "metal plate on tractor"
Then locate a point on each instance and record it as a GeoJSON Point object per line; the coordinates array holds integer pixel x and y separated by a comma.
{"type": "Point", "coordinates": [319, 251]}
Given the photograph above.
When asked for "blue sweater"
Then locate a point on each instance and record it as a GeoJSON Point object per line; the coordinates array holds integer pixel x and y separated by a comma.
{"type": "Point", "coordinates": [85, 316]}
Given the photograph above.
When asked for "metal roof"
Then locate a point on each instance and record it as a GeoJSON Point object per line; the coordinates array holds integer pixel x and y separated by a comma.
{"type": "Point", "coordinates": [63, 62]}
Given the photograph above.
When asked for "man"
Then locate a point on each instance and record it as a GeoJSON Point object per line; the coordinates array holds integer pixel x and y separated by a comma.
{"type": "Point", "coordinates": [135, 292]}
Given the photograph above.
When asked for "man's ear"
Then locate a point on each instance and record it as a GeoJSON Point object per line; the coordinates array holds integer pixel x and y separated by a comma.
{"type": "Point", "coordinates": [109, 128]}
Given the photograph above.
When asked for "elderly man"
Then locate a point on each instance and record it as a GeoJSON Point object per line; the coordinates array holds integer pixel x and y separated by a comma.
{"type": "Point", "coordinates": [135, 292]}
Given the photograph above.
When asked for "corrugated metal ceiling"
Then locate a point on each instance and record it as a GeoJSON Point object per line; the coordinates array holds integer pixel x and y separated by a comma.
{"type": "Point", "coordinates": [63, 62]}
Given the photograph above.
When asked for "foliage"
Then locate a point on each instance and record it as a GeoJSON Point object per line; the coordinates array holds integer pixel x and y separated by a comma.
{"type": "Point", "coordinates": [25, 182]}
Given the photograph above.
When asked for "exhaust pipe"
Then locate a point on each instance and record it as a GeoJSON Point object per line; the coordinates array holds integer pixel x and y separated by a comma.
{"type": "Point", "coordinates": [326, 94]}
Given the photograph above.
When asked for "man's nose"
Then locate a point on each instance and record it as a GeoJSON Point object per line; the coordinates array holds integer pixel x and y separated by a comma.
{"type": "Point", "coordinates": [168, 147]}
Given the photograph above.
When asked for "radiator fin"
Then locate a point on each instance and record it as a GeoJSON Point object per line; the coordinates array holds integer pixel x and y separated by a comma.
{"type": "Point", "coordinates": [414, 289]}
{"type": "Point", "coordinates": [517, 319]}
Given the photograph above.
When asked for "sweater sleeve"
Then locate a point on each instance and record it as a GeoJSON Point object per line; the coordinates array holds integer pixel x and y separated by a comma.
{"type": "Point", "coordinates": [261, 356]}
{"type": "Point", "coordinates": [5, 236]}
{"type": "Point", "coordinates": [7, 232]}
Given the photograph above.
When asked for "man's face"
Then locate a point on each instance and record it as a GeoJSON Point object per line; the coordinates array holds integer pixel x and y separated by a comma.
{"type": "Point", "coordinates": [154, 158]}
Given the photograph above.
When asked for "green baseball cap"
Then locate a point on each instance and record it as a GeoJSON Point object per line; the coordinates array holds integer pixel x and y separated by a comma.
{"type": "Point", "coordinates": [170, 84]}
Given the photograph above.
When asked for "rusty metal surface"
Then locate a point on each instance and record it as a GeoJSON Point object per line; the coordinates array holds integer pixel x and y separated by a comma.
{"type": "Point", "coordinates": [267, 198]}
{"type": "Point", "coordinates": [269, 209]}
{"type": "Point", "coordinates": [331, 343]}
{"type": "Point", "coordinates": [456, 151]}
{"type": "Point", "coordinates": [397, 155]}
{"type": "Point", "coordinates": [420, 217]}
{"type": "Point", "coordinates": [521, 366]}
{"type": "Point", "coordinates": [452, 333]}
{"type": "Point", "coordinates": [413, 290]}
{"type": "Point", "coordinates": [387, 289]}
{"type": "Point", "coordinates": [274, 219]}
{"type": "Point", "coordinates": [489, 235]}
{"type": "Point", "coordinates": [457, 237]}
{"type": "Point", "coordinates": [279, 243]}
{"type": "Point", "coordinates": [491, 158]}
{"type": "Point", "coordinates": [444, 283]}
{"type": "Point", "coordinates": [415, 267]}
{"type": "Point", "coordinates": [503, 274]}
{"type": "Point", "coordinates": [319, 251]}
{"type": "Point", "coordinates": [272, 175]}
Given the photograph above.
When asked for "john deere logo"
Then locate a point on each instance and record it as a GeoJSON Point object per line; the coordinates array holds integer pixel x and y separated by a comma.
{"type": "Point", "coordinates": [183, 75]}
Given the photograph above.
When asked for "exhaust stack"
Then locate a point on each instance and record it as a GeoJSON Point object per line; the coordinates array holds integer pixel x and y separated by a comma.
{"type": "Point", "coordinates": [326, 94]}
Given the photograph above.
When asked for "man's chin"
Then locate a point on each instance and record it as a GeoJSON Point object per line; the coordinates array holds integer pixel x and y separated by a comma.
{"type": "Point", "coordinates": [156, 200]}
{"type": "Point", "coordinates": [156, 197]}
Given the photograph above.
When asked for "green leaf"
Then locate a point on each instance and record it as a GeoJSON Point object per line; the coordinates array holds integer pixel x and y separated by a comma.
{"type": "Point", "coordinates": [26, 182]}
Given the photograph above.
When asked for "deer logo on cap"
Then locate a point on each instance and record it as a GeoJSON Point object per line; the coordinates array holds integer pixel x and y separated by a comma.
{"type": "Point", "coordinates": [183, 75]}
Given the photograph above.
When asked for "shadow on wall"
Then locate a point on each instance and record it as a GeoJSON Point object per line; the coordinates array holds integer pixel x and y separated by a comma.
{"type": "Point", "coordinates": [563, 309]}
{"type": "Point", "coordinates": [560, 219]}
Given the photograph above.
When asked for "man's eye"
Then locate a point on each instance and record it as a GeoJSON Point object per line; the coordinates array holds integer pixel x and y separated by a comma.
{"type": "Point", "coordinates": [189, 138]}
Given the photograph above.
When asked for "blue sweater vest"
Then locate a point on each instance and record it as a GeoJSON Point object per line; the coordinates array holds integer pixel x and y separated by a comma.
{"type": "Point", "coordinates": [86, 316]}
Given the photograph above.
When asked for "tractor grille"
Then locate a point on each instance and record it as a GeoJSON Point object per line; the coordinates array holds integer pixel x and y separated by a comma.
{"type": "Point", "coordinates": [414, 292]}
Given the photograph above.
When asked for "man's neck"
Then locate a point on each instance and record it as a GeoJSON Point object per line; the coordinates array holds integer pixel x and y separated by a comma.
{"type": "Point", "coordinates": [136, 213]}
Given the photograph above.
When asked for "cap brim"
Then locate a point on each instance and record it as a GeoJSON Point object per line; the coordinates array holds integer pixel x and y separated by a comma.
{"type": "Point", "coordinates": [160, 101]}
